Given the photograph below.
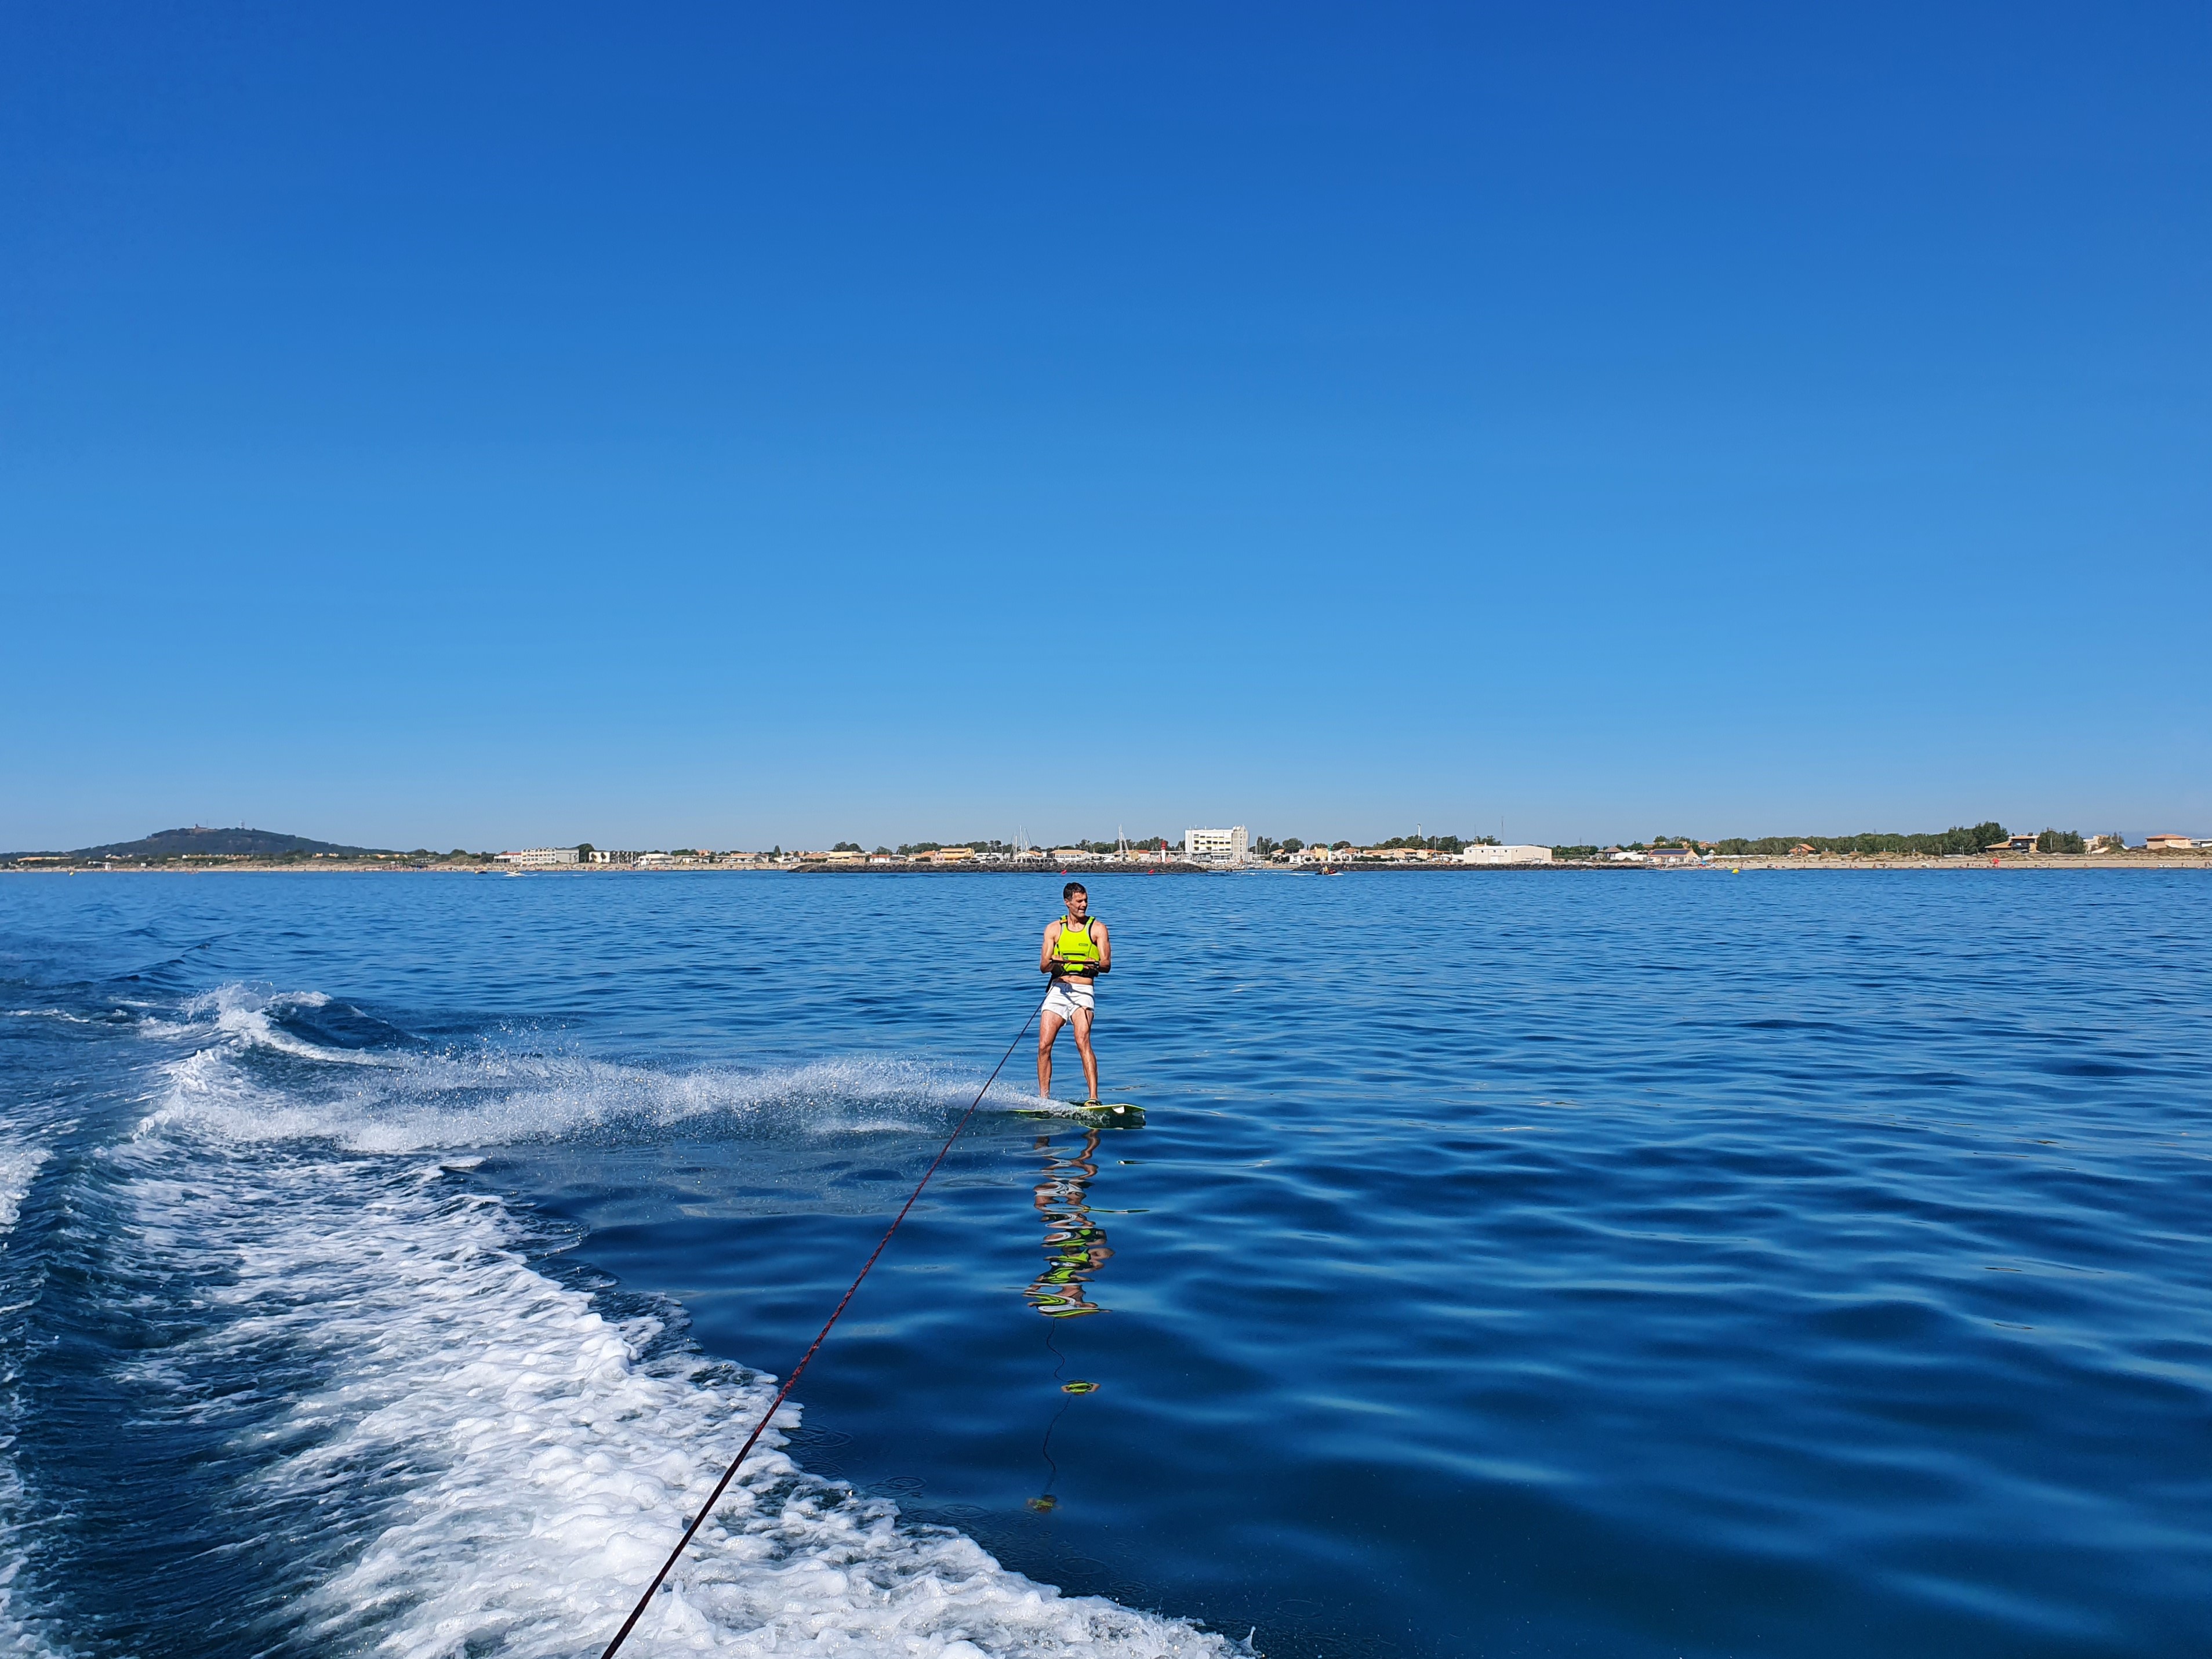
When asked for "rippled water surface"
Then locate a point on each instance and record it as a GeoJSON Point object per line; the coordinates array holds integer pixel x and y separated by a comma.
{"type": "Point", "coordinates": [1635, 1263]}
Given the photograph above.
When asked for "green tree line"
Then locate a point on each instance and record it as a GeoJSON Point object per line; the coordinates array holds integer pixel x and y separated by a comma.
{"type": "Point", "coordinates": [1958, 840]}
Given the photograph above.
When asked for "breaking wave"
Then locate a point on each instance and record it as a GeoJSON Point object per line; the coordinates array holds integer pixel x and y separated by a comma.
{"type": "Point", "coordinates": [403, 1100]}
{"type": "Point", "coordinates": [19, 1163]}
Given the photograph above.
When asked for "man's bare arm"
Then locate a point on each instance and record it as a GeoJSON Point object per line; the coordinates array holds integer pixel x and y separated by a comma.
{"type": "Point", "coordinates": [1105, 945]}
{"type": "Point", "coordinates": [1051, 939]}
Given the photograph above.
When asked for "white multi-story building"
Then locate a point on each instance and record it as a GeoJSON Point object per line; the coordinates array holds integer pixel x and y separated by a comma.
{"type": "Point", "coordinates": [1216, 846]}
{"type": "Point", "coordinates": [536, 857]}
{"type": "Point", "coordinates": [1505, 855]}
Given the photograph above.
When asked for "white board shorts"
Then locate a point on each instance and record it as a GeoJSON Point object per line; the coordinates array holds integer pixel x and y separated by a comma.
{"type": "Point", "coordinates": [1067, 995]}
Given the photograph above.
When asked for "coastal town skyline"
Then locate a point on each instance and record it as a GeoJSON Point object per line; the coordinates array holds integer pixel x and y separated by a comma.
{"type": "Point", "coordinates": [1231, 847]}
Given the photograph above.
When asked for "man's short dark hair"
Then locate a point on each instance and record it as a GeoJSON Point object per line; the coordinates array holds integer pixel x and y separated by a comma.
{"type": "Point", "coordinates": [1072, 890]}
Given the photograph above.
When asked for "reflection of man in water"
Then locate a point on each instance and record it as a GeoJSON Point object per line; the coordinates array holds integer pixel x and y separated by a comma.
{"type": "Point", "coordinates": [1076, 952]}
{"type": "Point", "coordinates": [1074, 1246]}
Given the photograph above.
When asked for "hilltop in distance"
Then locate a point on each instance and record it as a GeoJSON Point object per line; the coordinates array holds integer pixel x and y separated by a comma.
{"type": "Point", "coordinates": [199, 842]}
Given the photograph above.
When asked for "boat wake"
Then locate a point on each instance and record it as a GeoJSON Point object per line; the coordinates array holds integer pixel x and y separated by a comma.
{"type": "Point", "coordinates": [231, 1086]}
{"type": "Point", "coordinates": [454, 1454]}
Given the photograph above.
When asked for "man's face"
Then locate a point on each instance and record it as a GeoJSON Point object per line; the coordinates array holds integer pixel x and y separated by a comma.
{"type": "Point", "coordinates": [1078, 902]}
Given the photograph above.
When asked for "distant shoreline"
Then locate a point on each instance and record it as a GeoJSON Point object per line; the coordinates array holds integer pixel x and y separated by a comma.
{"type": "Point", "coordinates": [2044, 861]}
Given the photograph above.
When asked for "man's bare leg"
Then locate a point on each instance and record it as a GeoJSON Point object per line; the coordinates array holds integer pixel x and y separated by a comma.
{"type": "Point", "coordinates": [1047, 1029]}
{"type": "Point", "coordinates": [1082, 1017]}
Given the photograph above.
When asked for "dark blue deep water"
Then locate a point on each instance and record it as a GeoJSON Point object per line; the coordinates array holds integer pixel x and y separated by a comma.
{"type": "Point", "coordinates": [1520, 1263]}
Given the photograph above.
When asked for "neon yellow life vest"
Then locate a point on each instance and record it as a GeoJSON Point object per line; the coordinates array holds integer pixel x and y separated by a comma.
{"type": "Point", "coordinates": [1075, 947]}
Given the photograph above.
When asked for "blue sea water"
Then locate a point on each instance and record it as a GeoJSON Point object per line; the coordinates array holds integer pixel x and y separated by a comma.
{"type": "Point", "coordinates": [1609, 1264]}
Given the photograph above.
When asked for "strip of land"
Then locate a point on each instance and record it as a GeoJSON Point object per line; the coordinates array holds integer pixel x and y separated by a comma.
{"type": "Point", "coordinates": [1985, 846]}
{"type": "Point", "coordinates": [401, 864]}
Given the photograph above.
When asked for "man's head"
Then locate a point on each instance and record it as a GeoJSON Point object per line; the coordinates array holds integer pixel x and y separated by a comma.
{"type": "Point", "coordinates": [1077, 897]}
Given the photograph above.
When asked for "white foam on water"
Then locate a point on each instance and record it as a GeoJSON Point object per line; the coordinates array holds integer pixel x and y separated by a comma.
{"type": "Point", "coordinates": [19, 1166]}
{"type": "Point", "coordinates": [407, 1102]}
{"type": "Point", "coordinates": [429, 1103]}
{"type": "Point", "coordinates": [19, 1163]}
{"type": "Point", "coordinates": [235, 995]}
{"type": "Point", "coordinates": [544, 1468]}
{"type": "Point", "coordinates": [17, 1636]}
{"type": "Point", "coordinates": [248, 1018]}
{"type": "Point", "coordinates": [243, 1015]}
{"type": "Point", "coordinates": [507, 1468]}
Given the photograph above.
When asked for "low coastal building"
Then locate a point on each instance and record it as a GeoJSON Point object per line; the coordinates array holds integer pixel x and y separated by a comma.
{"type": "Point", "coordinates": [532, 858]}
{"type": "Point", "coordinates": [1505, 855]}
{"type": "Point", "coordinates": [2168, 844]}
{"type": "Point", "coordinates": [1672, 855]}
{"type": "Point", "coordinates": [1230, 846]}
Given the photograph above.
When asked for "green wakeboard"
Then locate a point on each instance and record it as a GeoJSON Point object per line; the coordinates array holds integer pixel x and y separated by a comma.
{"type": "Point", "coordinates": [1119, 1114]}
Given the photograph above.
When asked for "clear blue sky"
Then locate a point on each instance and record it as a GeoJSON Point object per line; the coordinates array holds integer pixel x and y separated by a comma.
{"type": "Point", "coordinates": [733, 425]}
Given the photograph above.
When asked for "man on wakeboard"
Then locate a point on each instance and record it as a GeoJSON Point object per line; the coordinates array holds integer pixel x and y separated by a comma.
{"type": "Point", "coordinates": [1076, 952]}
